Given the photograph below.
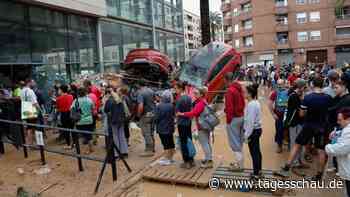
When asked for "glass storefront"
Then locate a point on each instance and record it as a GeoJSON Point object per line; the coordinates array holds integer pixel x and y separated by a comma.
{"type": "Point", "coordinates": [57, 45]}
{"type": "Point", "coordinates": [119, 39]}
{"type": "Point", "coordinates": [168, 13]}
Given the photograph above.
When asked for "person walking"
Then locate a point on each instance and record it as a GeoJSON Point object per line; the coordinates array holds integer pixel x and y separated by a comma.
{"type": "Point", "coordinates": [314, 108]}
{"type": "Point", "coordinates": [28, 95]}
{"type": "Point", "coordinates": [145, 113]}
{"type": "Point", "coordinates": [204, 135]}
{"type": "Point", "coordinates": [252, 128]}
{"type": "Point", "coordinates": [116, 115]}
{"type": "Point", "coordinates": [63, 104]}
{"type": "Point", "coordinates": [293, 121]}
{"type": "Point", "coordinates": [184, 104]}
{"type": "Point", "coordinates": [85, 107]}
{"type": "Point", "coordinates": [234, 109]}
{"type": "Point", "coordinates": [277, 103]}
{"type": "Point", "coordinates": [165, 125]}
{"type": "Point", "coordinates": [340, 147]}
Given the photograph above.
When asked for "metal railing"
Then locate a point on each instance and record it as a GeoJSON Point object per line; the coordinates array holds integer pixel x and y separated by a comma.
{"type": "Point", "coordinates": [343, 16]}
{"type": "Point", "coordinates": [19, 137]}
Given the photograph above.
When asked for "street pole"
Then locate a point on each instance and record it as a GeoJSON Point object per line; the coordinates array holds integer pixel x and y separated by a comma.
{"type": "Point", "coordinates": [205, 22]}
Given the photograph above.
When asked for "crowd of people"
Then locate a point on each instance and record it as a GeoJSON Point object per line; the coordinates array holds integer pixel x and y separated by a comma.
{"type": "Point", "coordinates": [310, 107]}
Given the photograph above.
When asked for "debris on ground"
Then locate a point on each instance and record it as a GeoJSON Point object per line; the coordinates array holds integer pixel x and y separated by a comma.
{"type": "Point", "coordinates": [20, 171]}
{"type": "Point", "coordinates": [21, 192]}
{"type": "Point", "coordinates": [43, 170]}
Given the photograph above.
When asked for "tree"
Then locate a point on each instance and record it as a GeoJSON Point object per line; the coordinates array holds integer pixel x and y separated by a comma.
{"type": "Point", "coordinates": [215, 24]}
{"type": "Point", "coordinates": [205, 21]}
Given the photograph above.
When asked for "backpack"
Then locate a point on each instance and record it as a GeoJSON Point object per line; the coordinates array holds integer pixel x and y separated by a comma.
{"type": "Point", "coordinates": [281, 102]}
{"type": "Point", "coordinates": [208, 119]}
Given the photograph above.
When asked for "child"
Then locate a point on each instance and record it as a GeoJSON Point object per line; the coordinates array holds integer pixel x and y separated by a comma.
{"type": "Point", "coordinates": [165, 124]}
{"type": "Point", "coordinates": [252, 128]}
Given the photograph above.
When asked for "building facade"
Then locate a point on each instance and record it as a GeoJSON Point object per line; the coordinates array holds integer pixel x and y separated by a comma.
{"type": "Point", "coordinates": [288, 31]}
{"type": "Point", "coordinates": [64, 40]}
{"type": "Point", "coordinates": [192, 32]}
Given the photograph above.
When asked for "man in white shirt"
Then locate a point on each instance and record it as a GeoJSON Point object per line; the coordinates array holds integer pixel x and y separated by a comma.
{"type": "Point", "coordinates": [28, 95]}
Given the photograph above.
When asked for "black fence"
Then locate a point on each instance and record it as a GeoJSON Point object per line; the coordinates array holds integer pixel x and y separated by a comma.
{"type": "Point", "coordinates": [17, 138]}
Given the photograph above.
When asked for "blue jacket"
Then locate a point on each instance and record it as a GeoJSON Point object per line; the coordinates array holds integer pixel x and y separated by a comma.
{"type": "Point", "coordinates": [165, 117]}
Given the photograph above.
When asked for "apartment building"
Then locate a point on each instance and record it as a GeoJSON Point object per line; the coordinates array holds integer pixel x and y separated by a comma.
{"type": "Point", "coordinates": [192, 33]}
{"type": "Point", "coordinates": [286, 31]}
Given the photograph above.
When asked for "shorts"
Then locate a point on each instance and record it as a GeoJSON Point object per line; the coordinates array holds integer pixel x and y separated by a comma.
{"type": "Point", "coordinates": [167, 141]}
{"type": "Point", "coordinates": [86, 128]}
{"type": "Point", "coordinates": [316, 132]}
{"type": "Point", "coordinates": [32, 121]}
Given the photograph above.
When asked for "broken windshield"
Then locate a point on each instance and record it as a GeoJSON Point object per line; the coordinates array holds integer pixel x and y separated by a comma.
{"type": "Point", "coordinates": [195, 72]}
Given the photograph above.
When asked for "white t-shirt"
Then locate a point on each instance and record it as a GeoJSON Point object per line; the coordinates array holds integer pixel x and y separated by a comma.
{"type": "Point", "coordinates": [28, 95]}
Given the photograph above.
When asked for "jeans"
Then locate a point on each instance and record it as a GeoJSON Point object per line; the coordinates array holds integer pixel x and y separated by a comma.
{"type": "Point", "coordinates": [185, 132]}
{"type": "Point", "coordinates": [254, 149]}
{"type": "Point", "coordinates": [204, 140]}
{"type": "Point", "coordinates": [148, 133]}
{"type": "Point", "coordinates": [279, 131]}
{"type": "Point", "coordinates": [347, 185]}
{"type": "Point", "coordinates": [235, 134]}
{"type": "Point", "coordinates": [293, 134]}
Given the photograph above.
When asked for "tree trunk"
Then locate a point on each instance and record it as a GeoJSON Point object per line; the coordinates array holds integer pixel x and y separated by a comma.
{"type": "Point", "coordinates": [205, 22]}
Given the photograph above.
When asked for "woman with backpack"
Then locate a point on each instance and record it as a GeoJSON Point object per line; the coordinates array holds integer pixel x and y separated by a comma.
{"type": "Point", "coordinates": [116, 111]}
{"type": "Point", "coordinates": [204, 135]}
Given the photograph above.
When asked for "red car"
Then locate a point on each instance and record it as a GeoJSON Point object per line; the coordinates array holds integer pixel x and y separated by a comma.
{"type": "Point", "coordinates": [149, 64]}
{"type": "Point", "coordinates": [209, 66]}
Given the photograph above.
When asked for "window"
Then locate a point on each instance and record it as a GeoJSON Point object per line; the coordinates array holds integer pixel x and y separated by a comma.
{"type": "Point", "coordinates": [314, 1]}
{"type": "Point", "coordinates": [281, 3]}
{"type": "Point", "coordinates": [236, 28]}
{"type": "Point", "coordinates": [315, 35]}
{"type": "Point", "coordinates": [237, 44]}
{"type": "Point", "coordinates": [248, 41]}
{"type": "Point", "coordinates": [300, 2]}
{"type": "Point", "coordinates": [314, 16]}
{"type": "Point", "coordinates": [343, 32]}
{"type": "Point", "coordinates": [302, 36]}
{"type": "Point", "coordinates": [221, 64]}
{"type": "Point", "coordinates": [301, 17]}
{"type": "Point", "coordinates": [246, 7]}
{"type": "Point", "coordinates": [235, 12]}
{"type": "Point", "coordinates": [248, 24]}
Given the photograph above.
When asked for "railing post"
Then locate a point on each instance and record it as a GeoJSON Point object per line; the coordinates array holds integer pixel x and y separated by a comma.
{"type": "Point", "coordinates": [25, 149]}
{"type": "Point", "coordinates": [2, 147]}
{"type": "Point", "coordinates": [77, 148]}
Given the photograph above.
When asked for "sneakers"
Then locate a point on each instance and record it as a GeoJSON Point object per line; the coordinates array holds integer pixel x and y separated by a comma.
{"type": "Point", "coordinates": [166, 162]}
{"type": "Point", "coordinates": [207, 164]}
{"type": "Point", "coordinates": [147, 154]}
{"type": "Point", "coordinates": [236, 167]}
{"type": "Point", "coordinates": [284, 172]}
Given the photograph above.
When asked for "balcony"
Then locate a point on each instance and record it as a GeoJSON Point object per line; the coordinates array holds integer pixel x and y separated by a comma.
{"type": "Point", "coordinates": [228, 36]}
{"type": "Point", "coordinates": [226, 7]}
{"type": "Point", "coordinates": [245, 15]}
{"type": "Point", "coordinates": [281, 26]}
{"type": "Point", "coordinates": [228, 21]}
{"type": "Point", "coordinates": [342, 20]}
{"type": "Point", "coordinates": [282, 43]}
{"type": "Point", "coordinates": [246, 32]}
{"type": "Point", "coordinates": [281, 7]}
{"type": "Point", "coordinates": [246, 48]}
{"type": "Point", "coordinates": [244, 1]}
